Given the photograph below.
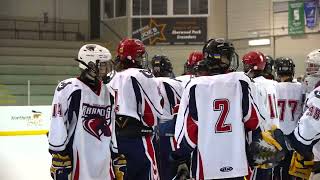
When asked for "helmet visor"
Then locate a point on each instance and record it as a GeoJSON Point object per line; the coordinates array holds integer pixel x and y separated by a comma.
{"type": "Point", "coordinates": [312, 68]}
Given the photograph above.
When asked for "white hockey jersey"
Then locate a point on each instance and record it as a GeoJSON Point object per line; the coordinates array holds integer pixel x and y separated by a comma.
{"type": "Point", "coordinates": [137, 95]}
{"type": "Point", "coordinates": [308, 128]}
{"type": "Point", "coordinates": [268, 101]}
{"type": "Point", "coordinates": [290, 103]}
{"type": "Point", "coordinates": [81, 123]}
{"type": "Point", "coordinates": [171, 91]}
{"type": "Point", "coordinates": [216, 111]}
{"type": "Point", "coordinates": [184, 79]}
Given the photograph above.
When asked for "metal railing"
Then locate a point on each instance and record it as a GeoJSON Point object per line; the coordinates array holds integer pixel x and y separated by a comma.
{"type": "Point", "coordinates": [32, 29]}
{"type": "Point", "coordinates": [26, 94]}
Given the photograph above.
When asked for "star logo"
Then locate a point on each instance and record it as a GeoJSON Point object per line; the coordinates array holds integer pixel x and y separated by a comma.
{"type": "Point", "coordinates": [157, 30]}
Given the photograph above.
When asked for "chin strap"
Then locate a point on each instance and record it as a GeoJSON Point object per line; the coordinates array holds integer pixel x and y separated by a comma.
{"type": "Point", "coordinates": [83, 63]}
{"type": "Point", "coordinates": [89, 79]}
{"type": "Point", "coordinates": [90, 75]}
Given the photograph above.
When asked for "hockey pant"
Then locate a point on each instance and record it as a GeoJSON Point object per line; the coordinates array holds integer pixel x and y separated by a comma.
{"type": "Point", "coordinates": [138, 160]}
{"type": "Point", "coordinates": [281, 172]}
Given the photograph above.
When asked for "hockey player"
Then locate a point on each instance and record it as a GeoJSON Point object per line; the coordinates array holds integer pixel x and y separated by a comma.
{"type": "Point", "coordinates": [192, 61]}
{"type": "Point", "coordinates": [81, 123]}
{"type": "Point", "coordinates": [254, 63]}
{"type": "Point", "coordinates": [161, 66]}
{"type": "Point", "coordinates": [289, 93]}
{"type": "Point", "coordinates": [290, 104]}
{"type": "Point", "coordinates": [268, 70]}
{"type": "Point", "coordinates": [170, 90]}
{"type": "Point", "coordinates": [216, 111]}
{"type": "Point", "coordinates": [191, 70]}
{"type": "Point", "coordinates": [137, 103]}
{"type": "Point", "coordinates": [304, 139]}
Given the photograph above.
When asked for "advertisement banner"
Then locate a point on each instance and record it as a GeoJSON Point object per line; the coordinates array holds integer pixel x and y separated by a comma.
{"type": "Point", "coordinates": [310, 9]}
{"type": "Point", "coordinates": [156, 31]}
{"type": "Point", "coordinates": [24, 120]}
{"type": "Point", "coordinates": [296, 17]}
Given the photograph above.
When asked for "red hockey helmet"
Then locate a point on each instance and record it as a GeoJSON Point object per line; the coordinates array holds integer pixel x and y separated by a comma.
{"type": "Point", "coordinates": [255, 60]}
{"type": "Point", "coordinates": [192, 61]}
{"type": "Point", "coordinates": [131, 51]}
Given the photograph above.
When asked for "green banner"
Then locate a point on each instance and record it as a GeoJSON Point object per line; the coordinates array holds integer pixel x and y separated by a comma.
{"type": "Point", "coordinates": [296, 17]}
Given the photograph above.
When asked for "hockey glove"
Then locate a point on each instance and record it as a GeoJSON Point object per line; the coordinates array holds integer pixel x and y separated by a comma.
{"type": "Point", "coordinates": [61, 168]}
{"type": "Point", "coordinates": [268, 149]}
{"type": "Point", "coordinates": [299, 167]}
{"type": "Point", "coordinates": [119, 165]}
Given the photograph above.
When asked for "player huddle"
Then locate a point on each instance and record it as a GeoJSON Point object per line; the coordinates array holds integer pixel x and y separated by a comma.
{"type": "Point", "coordinates": [130, 119]}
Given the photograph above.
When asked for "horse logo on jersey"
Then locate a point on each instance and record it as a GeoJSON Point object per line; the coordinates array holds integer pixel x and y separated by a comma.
{"type": "Point", "coordinates": [96, 120]}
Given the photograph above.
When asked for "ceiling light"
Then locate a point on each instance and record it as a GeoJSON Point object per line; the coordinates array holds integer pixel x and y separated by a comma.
{"type": "Point", "coordinates": [259, 42]}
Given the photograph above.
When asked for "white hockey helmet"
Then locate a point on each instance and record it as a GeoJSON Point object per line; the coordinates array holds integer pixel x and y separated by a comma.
{"type": "Point", "coordinates": [92, 53]}
{"type": "Point", "coordinates": [313, 63]}
{"type": "Point", "coordinates": [312, 75]}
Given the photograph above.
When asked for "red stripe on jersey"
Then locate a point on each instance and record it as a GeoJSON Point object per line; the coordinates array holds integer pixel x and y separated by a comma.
{"type": "Point", "coordinates": [249, 176]}
{"type": "Point", "coordinates": [111, 173]}
{"type": "Point", "coordinates": [174, 143]}
{"type": "Point", "coordinates": [192, 130]}
{"type": "Point", "coordinates": [151, 153]}
{"type": "Point", "coordinates": [76, 173]}
{"type": "Point", "coordinates": [148, 115]}
{"type": "Point", "coordinates": [176, 109]}
{"type": "Point", "coordinates": [201, 174]}
{"type": "Point", "coordinates": [253, 120]}
{"type": "Point", "coordinates": [271, 106]}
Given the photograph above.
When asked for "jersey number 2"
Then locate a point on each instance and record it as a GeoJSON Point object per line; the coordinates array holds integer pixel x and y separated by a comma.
{"type": "Point", "coordinates": [223, 106]}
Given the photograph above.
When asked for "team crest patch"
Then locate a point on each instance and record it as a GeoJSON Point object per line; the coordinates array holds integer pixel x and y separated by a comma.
{"type": "Point", "coordinates": [96, 120]}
